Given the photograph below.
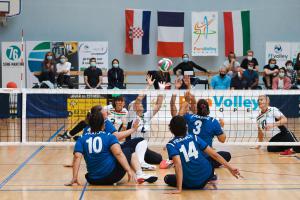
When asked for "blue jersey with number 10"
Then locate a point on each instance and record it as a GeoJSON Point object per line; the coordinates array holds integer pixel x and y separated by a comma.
{"type": "Point", "coordinates": [196, 168]}
{"type": "Point", "coordinates": [205, 127]}
{"type": "Point", "coordinates": [95, 148]}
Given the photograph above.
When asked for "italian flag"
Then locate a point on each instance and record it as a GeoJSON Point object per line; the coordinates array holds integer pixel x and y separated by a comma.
{"type": "Point", "coordinates": [237, 32]}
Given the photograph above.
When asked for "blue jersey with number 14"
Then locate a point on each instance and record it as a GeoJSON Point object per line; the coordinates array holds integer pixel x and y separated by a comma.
{"type": "Point", "coordinates": [196, 168]}
{"type": "Point", "coordinates": [205, 127]}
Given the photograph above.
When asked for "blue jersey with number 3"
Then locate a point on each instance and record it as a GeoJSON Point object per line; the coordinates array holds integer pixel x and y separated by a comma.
{"type": "Point", "coordinates": [205, 127]}
{"type": "Point", "coordinates": [196, 168]}
{"type": "Point", "coordinates": [95, 148]}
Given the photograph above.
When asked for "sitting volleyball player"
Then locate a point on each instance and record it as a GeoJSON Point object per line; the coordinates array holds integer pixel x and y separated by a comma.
{"type": "Point", "coordinates": [193, 169]}
{"type": "Point", "coordinates": [106, 162]}
{"type": "Point", "coordinates": [271, 123]}
{"type": "Point", "coordinates": [201, 123]}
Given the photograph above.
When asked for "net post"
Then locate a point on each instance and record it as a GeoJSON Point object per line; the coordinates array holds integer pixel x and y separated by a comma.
{"type": "Point", "coordinates": [24, 120]}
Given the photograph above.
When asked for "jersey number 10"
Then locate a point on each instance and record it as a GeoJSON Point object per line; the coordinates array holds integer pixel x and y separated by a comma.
{"type": "Point", "coordinates": [95, 144]}
{"type": "Point", "coordinates": [192, 151]}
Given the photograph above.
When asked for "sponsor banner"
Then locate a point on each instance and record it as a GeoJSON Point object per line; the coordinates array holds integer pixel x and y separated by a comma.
{"type": "Point", "coordinates": [12, 64]}
{"type": "Point", "coordinates": [281, 51]}
{"type": "Point", "coordinates": [205, 34]}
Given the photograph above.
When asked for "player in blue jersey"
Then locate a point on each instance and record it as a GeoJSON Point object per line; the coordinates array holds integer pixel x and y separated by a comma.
{"type": "Point", "coordinates": [201, 123]}
{"type": "Point", "coordinates": [193, 169]}
{"type": "Point", "coordinates": [106, 162]}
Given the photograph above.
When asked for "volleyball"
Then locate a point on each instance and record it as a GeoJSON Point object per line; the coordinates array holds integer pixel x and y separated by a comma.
{"type": "Point", "coordinates": [165, 64]}
{"type": "Point", "coordinates": [11, 85]}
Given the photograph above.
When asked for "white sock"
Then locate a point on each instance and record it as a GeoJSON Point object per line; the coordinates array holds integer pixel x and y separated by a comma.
{"type": "Point", "coordinates": [139, 172]}
{"type": "Point", "coordinates": [140, 150]}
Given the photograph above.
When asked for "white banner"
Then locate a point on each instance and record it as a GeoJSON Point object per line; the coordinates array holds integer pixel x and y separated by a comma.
{"type": "Point", "coordinates": [92, 49]}
{"type": "Point", "coordinates": [205, 34]}
{"type": "Point", "coordinates": [281, 51]}
{"type": "Point", "coordinates": [13, 64]}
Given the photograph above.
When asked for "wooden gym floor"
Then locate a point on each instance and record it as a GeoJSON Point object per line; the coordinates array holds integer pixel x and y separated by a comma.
{"type": "Point", "coordinates": [39, 173]}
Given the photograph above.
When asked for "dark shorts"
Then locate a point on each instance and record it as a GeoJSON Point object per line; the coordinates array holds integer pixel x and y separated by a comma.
{"type": "Point", "coordinates": [117, 173]}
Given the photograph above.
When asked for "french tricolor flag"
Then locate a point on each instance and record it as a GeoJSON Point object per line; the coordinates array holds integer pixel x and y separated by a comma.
{"type": "Point", "coordinates": [170, 41]}
{"type": "Point", "coordinates": [137, 31]}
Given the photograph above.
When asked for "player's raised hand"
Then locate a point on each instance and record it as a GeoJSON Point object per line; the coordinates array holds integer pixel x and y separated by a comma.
{"type": "Point", "coordinates": [149, 80]}
{"type": "Point", "coordinates": [178, 83]}
{"type": "Point", "coordinates": [222, 123]}
{"type": "Point", "coordinates": [135, 124]}
{"type": "Point", "coordinates": [162, 85]}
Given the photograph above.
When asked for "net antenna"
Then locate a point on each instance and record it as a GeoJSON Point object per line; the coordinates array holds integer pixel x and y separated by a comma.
{"type": "Point", "coordinates": [4, 10]}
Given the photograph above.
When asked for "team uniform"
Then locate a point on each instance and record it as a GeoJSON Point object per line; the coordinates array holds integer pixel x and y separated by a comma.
{"type": "Point", "coordinates": [206, 128]}
{"type": "Point", "coordinates": [116, 117]}
{"type": "Point", "coordinates": [277, 134]}
{"type": "Point", "coordinates": [197, 169]}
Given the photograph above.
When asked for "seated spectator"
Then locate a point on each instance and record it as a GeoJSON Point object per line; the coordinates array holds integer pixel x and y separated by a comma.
{"type": "Point", "coordinates": [63, 71]}
{"type": "Point", "coordinates": [297, 67]}
{"type": "Point", "coordinates": [251, 76]}
{"type": "Point", "coordinates": [270, 70]}
{"type": "Point", "coordinates": [239, 82]}
{"type": "Point", "coordinates": [232, 66]}
{"type": "Point", "coordinates": [281, 81]}
{"type": "Point", "coordinates": [115, 76]}
{"type": "Point", "coordinates": [47, 76]}
{"type": "Point", "coordinates": [221, 81]}
{"type": "Point", "coordinates": [93, 76]}
{"type": "Point", "coordinates": [187, 65]}
{"type": "Point", "coordinates": [291, 73]}
{"type": "Point", "coordinates": [249, 58]}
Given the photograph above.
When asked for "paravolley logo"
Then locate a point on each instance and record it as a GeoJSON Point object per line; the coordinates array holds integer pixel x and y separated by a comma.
{"type": "Point", "coordinates": [235, 102]}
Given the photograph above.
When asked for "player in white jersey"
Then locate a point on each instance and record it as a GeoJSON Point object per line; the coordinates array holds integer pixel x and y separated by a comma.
{"type": "Point", "coordinates": [271, 123]}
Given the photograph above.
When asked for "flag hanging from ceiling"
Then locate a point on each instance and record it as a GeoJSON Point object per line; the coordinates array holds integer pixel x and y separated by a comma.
{"type": "Point", "coordinates": [237, 32]}
{"type": "Point", "coordinates": [137, 31]}
{"type": "Point", "coordinates": [170, 41]}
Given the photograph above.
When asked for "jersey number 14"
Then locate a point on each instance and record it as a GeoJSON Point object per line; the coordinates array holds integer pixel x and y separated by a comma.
{"type": "Point", "coordinates": [192, 151]}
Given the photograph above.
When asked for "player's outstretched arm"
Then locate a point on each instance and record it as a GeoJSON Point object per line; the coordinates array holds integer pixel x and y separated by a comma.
{"type": "Point", "coordinates": [158, 104]}
{"type": "Point", "coordinates": [76, 165]}
{"type": "Point", "coordinates": [179, 174]}
{"type": "Point", "coordinates": [213, 154]}
{"type": "Point", "coordinates": [119, 155]}
{"type": "Point", "coordinates": [184, 108]}
{"type": "Point", "coordinates": [124, 134]}
{"type": "Point", "coordinates": [173, 106]}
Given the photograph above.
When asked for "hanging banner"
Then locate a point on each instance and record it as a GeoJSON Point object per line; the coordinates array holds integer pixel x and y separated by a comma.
{"type": "Point", "coordinates": [12, 64]}
{"type": "Point", "coordinates": [281, 51]}
{"type": "Point", "coordinates": [92, 49]}
{"type": "Point", "coordinates": [205, 34]}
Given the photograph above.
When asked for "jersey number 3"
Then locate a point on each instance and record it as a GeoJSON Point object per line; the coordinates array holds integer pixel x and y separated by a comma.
{"type": "Point", "coordinates": [192, 151]}
{"type": "Point", "coordinates": [95, 144]}
{"type": "Point", "coordinates": [197, 124]}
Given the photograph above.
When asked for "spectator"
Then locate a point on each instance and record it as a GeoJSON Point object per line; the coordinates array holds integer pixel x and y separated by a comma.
{"type": "Point", "coordinates": [221, 81]}
{"type": "Point", "coordinates": [239, 82]}
{"type": "Point", "coordinates": [291, 73]}
{"type": "Point", "coordinates": [249, 58]}
{"type": "Point", "coordinates": [281, 81]}
{"type": "Point", "coordinates": [232, 66]}
{"type": "Point", "coordinates": [271, 70]}
{"type": "Point", "coordinates": [187, 65]}
{"type": "Point", "coordinates": [297, 67]}
{"type": "Point", "coordinates": [63, 71]}
{"type": "Point", "coordinates": [47, 75]}
{"type": "Point", "coordinates": [93, 76]}
{"type": "Point", "coordinates": [115, 76]}
{"type": "Point", "coordinates": [251, 76]}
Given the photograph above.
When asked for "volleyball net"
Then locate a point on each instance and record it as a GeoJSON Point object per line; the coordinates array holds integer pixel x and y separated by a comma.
{"type": "Point", "coordinates": [38, 116]}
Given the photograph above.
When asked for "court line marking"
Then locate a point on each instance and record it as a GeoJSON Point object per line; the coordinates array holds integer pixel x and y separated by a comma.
{"type": "Point", "coordinates": [83, 190]}
{"type": "Point", "coordinates": [23, 164]}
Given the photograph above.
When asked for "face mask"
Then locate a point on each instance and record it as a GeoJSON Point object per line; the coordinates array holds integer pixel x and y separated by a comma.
{"type": "Point", "coordinates": [290, 67]}
{"type": "Point", "coordinates": [272, 65]}
{"type": "Point", "coordinates": [222, 75]}
{"type": "Point", "coordinates": [249, 58]}
{"type": "Point", "coordinates": [93, 64]}
{"type": "Point", "coordinates": [281, 74]}
{"type": "Point", "coordinates": [62, 60]}
{"type": "Point", "coordinates": [250, 67]}
{"type": "Point", "coordinates": [115, 65]}
{"type": "Point", "coordinates": [49, 57]}
{"type": "Point", "coordinates": [185, 59]}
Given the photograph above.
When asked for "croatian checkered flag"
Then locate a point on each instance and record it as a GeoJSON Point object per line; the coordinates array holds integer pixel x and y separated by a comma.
{"type": "Point", "coordinates": [137, 31]}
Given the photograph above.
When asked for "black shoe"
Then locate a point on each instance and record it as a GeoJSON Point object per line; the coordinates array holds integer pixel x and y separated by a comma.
{"type": "Point", "coordinates": [64, 136]}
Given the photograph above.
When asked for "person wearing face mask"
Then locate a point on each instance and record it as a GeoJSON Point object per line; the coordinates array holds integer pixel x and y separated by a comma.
{"type": "Point", "coordinates": [63, 71]}
{"type": "Point", "coordinates": [281, 81]}
{"type": "Point", "coordinates": [297, 67]}
{"type": "Point", "coordinates": [291, 73]}
{"type": "Point", "coordinates": [270, 70]}
{"type": "Point", "coordinates": [239, 82]}
{"type": "Point", "coordinates": [188, 65]}
{"type": "Point", "coordinates": [251, 76]}
{"type": "Point", "coordinates": [115, 76]}
{"type": "Point", "coordinates": [232, 66]}
{"type": "Point", "coordinates": [93, 76]}
{"type": "Point", "coordinates": [249, 58]}
{"type": "Point", "coordinates": [221, 81]}
{"type": "Point", "coordinates": [48, 70]}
